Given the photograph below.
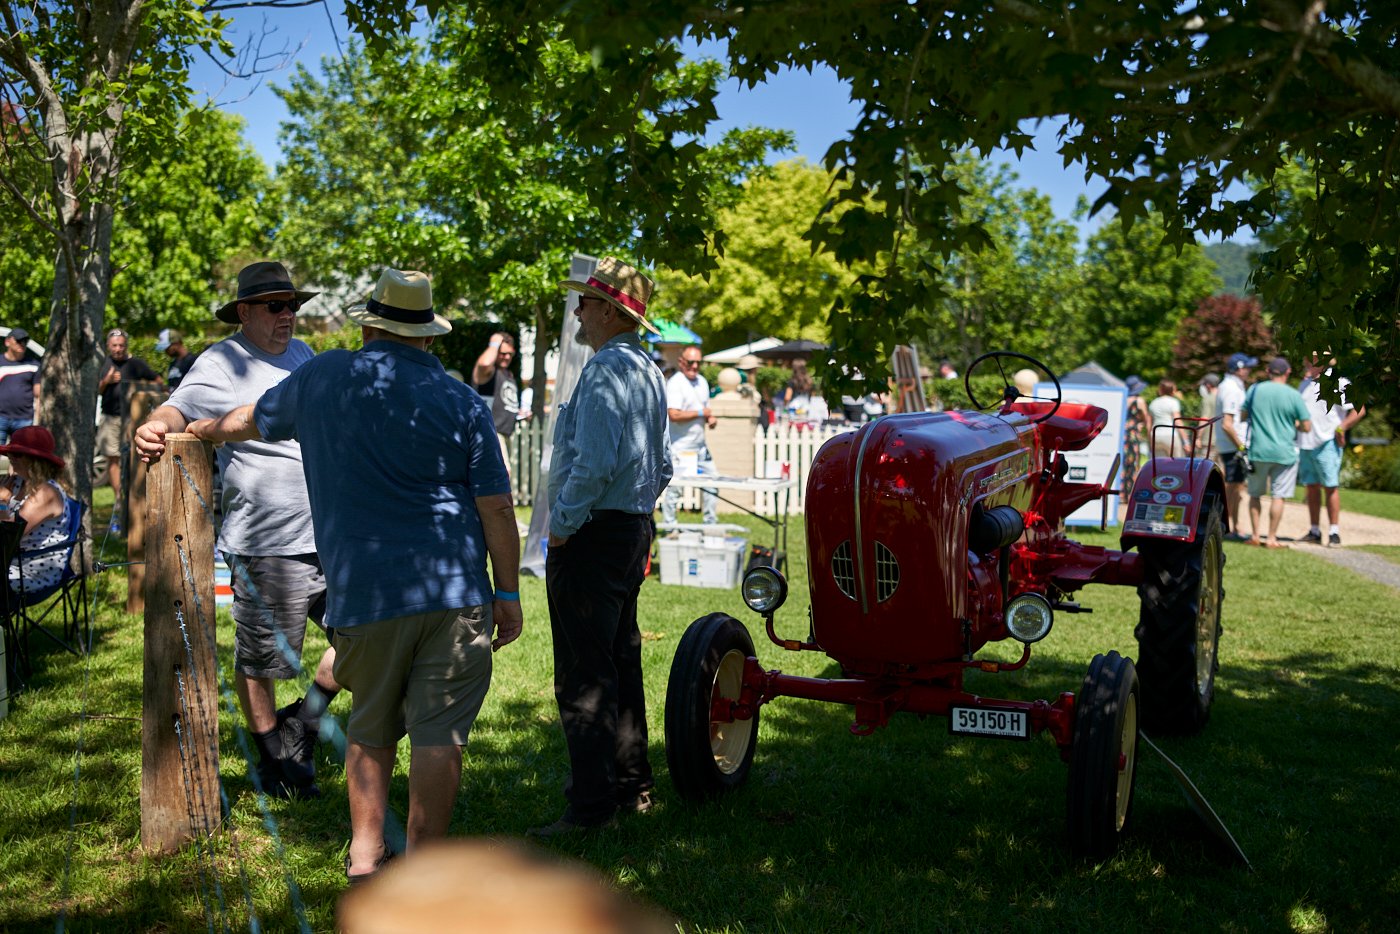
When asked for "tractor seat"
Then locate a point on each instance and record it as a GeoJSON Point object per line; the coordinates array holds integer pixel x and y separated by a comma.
{"type": "Point", "coordinates": [1073, 426]}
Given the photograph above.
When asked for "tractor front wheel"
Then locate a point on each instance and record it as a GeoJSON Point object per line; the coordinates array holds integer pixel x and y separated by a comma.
{"type": "Point", "coordinates": [708, 754]}
{"type": "Point", "coordinates": [1178, 629]}
{"type": "Point", "coordinates": [1103, 757]}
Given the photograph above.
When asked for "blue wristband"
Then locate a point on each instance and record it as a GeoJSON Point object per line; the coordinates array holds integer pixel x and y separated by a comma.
{"type": "Point", "coordinates": [509, 595]}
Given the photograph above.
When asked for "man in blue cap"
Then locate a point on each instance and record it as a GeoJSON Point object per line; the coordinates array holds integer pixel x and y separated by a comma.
{"type": "Point", "coordinates": [1232, 436]}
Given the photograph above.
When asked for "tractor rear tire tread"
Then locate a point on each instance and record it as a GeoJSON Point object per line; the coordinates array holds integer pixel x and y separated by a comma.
{"type": "Point", "coordinates": [1167, 629]}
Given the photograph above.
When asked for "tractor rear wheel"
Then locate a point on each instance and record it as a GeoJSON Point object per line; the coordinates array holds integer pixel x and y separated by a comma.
{"type": "Point", "coordinates": [708, 756]}
{"type": "Point", "coordinates": [1103, 756]}
{"type": "Point", "coordinates": [1178, 629]}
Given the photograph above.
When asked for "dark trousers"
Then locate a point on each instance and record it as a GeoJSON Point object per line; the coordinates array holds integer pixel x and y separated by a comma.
{"type": "Point", "coordinates": [593, 582]}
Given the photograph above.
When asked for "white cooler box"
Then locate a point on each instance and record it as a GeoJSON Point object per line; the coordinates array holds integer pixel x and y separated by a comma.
{"type": "Point", "coordinates": [694, 559]}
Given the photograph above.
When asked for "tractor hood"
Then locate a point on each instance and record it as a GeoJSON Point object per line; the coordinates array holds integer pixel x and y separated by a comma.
{"type": "Point", "coordinates": [887, 515]}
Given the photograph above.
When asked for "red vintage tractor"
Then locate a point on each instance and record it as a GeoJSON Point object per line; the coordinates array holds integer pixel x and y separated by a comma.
{"type": "Point", "coordinates": [930, 535]}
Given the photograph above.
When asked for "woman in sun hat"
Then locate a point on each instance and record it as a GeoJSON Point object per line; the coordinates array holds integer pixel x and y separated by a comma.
{"type": "Point", "coordinates": [32, 495]}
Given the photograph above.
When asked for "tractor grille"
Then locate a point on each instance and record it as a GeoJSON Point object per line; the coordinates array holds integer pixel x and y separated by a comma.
{"type": "Point", "coordinates": [886, 573]}
{"type": "Point", "coordinates": [843, 569]}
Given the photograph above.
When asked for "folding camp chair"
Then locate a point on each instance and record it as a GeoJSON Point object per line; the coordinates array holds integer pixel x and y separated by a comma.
{"type": "Point", "coordinates": [30, 609]}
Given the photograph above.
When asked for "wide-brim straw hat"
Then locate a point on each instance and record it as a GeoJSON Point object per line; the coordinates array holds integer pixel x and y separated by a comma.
{"type": "Point", "coordinates": [402, 304]}
{"type": "Point", "coordinates": [33, 441]}
{"type": "Point", "coordinates": [620, 284]}
{"type": "Point", "coordinates": [257, 280]}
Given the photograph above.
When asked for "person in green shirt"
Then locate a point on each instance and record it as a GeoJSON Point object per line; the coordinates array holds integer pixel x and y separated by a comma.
{"type": "Point", "coordinates": [1276, 414]}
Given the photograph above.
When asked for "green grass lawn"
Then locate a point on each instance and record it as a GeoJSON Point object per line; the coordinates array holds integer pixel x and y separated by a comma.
{"type": "Point", "coordinates": [1372, 503]}
{"type": "Point", "coordinates": [905, 830]}
{"type": "Point", "coordinates": [1367, 502]}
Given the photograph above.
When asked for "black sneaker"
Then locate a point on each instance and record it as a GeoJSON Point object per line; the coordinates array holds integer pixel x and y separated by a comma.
{"type": "Point", "coordinates": [1312, 538]}
{"type": "Point", "coordinates": [1334, 540]}
{"type": "Point", "coordinates": [270, 780]}
{"type": "Point", "coordinates": [298, 753]}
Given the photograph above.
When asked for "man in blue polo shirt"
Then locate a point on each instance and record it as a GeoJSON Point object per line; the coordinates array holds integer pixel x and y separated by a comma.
{"type": "Point", "coordinates": [409, 495]}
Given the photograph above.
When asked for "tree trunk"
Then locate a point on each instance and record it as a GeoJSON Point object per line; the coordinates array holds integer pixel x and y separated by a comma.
{"type": "Point", "coordinates": [82, 280]}
{"type": "Point", "coordinates": [539, 379]}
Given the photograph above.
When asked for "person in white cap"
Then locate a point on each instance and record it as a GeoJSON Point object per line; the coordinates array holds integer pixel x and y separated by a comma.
{"type": "Point", "coordinates": [266, 536]}
{"type": "Point", "coordinates": [612, 459]}
{"type": "Point", "coordinates": [411, 601]}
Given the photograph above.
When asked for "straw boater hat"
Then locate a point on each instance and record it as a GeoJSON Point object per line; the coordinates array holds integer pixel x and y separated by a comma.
{"type": "Point", "coordinates": [33, 441]}
{"type": "Point", "coordinates": [402, 304]}
{"type": "Point", "coordinates": [258, 280]}
{"type": "Point", "coordinates": [616, 282]}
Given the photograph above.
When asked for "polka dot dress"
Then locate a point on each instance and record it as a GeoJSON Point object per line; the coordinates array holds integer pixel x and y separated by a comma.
{"type": "Point", "coordinates": [42, 572]}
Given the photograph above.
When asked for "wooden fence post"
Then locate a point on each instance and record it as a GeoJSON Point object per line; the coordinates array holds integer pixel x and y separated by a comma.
{"type": "Point", "coordinates": [180, 713]}
{"type": "Point", "coordinates": [141, 404]}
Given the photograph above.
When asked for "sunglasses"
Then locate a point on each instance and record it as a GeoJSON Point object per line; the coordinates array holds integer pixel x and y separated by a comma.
{"type": "Point", "coordinates": [686, 362]}
{"type": "Point", "coordinates": [278, 305]}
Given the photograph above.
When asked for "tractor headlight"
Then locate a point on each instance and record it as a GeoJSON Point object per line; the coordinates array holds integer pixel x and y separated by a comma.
{"type": "Point", "coordinates": [764, 590]}
{"type": "Point", "coordinates": [1029, 617]}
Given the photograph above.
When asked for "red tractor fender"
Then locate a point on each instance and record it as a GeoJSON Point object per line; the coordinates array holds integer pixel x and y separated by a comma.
{"type": "Point", "coordinates": [1167, 498]}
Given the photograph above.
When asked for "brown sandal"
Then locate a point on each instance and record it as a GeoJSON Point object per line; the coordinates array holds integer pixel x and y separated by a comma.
{"type": "Point", "coordinates": [384, 858]}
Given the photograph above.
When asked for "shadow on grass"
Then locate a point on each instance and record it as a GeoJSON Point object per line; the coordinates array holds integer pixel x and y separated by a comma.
{"type": "Point", "coordinates": [908, 829]}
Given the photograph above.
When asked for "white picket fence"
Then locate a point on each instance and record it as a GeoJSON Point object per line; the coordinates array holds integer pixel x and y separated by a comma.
{"type": "Point", "coordinates": [794, 446]}
{"type": "Point", "coordinates": [790, 445]}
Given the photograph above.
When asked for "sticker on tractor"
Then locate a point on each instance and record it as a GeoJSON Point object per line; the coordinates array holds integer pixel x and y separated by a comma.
{"type": "Point", "coordinates": [1183, 498]}
{"type": "Point", "coordinates": [1161, 496]}
{"type": "Point", "coordinates": [1158, 519]}
{"type": "Point", "coordinates": [1166, 482]}
{"type": "Point", "coordinates": [989, 721]}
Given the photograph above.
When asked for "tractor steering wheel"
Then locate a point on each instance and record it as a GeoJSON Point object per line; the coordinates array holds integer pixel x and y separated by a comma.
{"type": "Point", "coordinates": [1009, 392]}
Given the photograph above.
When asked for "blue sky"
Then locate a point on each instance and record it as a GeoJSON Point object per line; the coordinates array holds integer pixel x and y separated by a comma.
{"type": "Point", "coordinates": [815, 107]}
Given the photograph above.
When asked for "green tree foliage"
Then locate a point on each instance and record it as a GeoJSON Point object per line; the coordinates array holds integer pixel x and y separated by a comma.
{"type": "Point", "coordinates": [1137, 289]}
{"type": "Point", "coordinates": [1018, 292]}
{"type": "Point", "coordinates": [1234, 263]}
{"type": "Point", "coordinates": [769, 282]}
{"type": "Point", "coordinates": [185, 222]}
{"type": "Point", "coordinates": [404, 156]}
{"type": "Point", "coordinates": [88, 91]}
{"type": "Point", "coordinates": [1167, 105]}
{"type": "Point", "coordinates": [1218, 327]}
{"type": "Point", "coordinates": [180, 218]}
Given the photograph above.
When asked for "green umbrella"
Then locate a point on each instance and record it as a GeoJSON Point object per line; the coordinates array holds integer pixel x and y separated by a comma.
{"type": "Point", "coordinates": [671, 333]}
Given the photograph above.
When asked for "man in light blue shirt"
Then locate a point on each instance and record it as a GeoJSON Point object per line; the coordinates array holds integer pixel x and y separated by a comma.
{"type": "Point", "coordinates": [612, 459]}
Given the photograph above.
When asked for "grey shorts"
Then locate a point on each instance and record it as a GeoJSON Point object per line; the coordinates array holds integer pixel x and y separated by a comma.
{"type": "Point", "coordinates": [424, 676]}
{"type": "Point", "coordinates": [273, 597]}
{"type": "Point", "coordinates": [109, 436]}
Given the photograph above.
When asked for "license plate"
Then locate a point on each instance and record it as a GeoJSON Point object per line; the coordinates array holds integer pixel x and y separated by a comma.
{"type": "Point", "coordinates": [989, 721]}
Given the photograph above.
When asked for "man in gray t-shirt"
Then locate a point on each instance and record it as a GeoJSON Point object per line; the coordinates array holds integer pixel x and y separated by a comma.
{"type": "Point", "coordinates": [266, 536]}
